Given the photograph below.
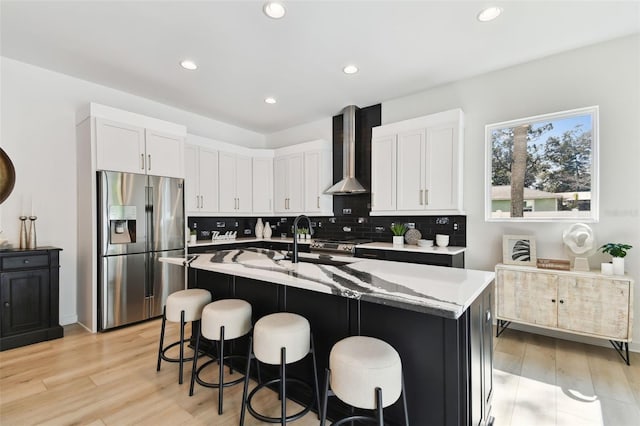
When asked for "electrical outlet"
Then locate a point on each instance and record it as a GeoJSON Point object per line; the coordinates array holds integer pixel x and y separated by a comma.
{"type": "Point", "coordinates": [236, 225]}
{"type": "Point", "coordinates": [346, 211]}
{"type": "Point", "coordinates": [411, 225]}
{"type": "Point", "coordinates": [455, 226]}
{"type": "Point", "coordinates": [220, 225]}
{"type": "Point", "coordinates": [247, 232]}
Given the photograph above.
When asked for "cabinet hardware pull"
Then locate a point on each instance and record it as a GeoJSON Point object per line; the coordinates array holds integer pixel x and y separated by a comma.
{"type": "Point", "coordinates": [149, 162]}
{"type": "Point", "coordinates": [561, 301]}
{"type": "Point", "coordinates": [488, 316]}
{"type": "Point", "coordinates": [202, 201]}
{"type": "Point", "coordinates": [553, 300]}
{"type": "Point", "coordinates": [142, 161]}
{"type": "Point", "coordinates": [6, 304]}
{"type": "Point", "coordinates": [421, 192]}
{"type": "Point", "coordinates": [426, 197]}
{"type": "Point", "coordinates": [318, 202]}
{"type": "Point", "coordinates": [238, 203]}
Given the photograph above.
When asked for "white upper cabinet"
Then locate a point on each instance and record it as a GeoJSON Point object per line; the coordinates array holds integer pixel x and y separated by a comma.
{"type": "Point", "coordinates": [164, 154]}
{"type": "Point", "coordinates": [201, 180]}
{"type": "Point", "coordinates": [128, 142]}
{"type": "Point", "coordinates": [288, 183]}
{"type": "Point", "coordinates": [317, 178]}
{"type": "Point", "coordinates": [263, 185]}
{"type": "Point", "coordinates": [235, 183]}
{"type": "Point", "coordinates": [383, 180]}
{"type": "Point", "coordinates": [427, 178]}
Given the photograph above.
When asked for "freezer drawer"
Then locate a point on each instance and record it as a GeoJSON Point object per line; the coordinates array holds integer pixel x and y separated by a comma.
{"type": "Point", "coordinates": [122, 295]}
{"type": "Point", "coordinates": [164, 279]}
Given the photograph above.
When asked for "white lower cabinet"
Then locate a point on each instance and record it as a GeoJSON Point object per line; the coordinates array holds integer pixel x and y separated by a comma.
{"type": "Point", "coordinates": [586, 303]}
{"type": "Point", "coordinates": [201, 180]}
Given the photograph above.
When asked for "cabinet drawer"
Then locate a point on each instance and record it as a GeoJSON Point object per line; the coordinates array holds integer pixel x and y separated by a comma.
{"type": "Point", "coordinates": [24, 262]}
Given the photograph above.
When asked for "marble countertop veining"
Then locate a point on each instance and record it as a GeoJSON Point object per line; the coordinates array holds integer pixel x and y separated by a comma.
{"type": "Point", "coordinates": [437, 290]}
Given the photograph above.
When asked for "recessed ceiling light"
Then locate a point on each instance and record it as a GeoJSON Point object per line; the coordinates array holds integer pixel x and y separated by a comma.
{"type": "Point", "coordinates": [274, 9]}
{"type": "Point", "coordinates": [188, 65]}
{"type": "Point", "coordinates": [489, 14]}
{"type": "Point", "coordinates": [350, 69]}
{"type": "Point", "coordinates": [270, 101]}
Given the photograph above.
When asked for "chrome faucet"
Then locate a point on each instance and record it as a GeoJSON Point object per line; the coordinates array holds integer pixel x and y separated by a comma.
{"type": "Point", "coordinates": [294, 255]}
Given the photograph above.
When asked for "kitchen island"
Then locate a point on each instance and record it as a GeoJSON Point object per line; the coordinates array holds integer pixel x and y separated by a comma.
{"type": "Point", "coordinates": [438, 319]}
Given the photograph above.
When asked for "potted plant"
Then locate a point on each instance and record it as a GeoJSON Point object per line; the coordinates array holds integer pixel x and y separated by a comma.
{"type": "Point", "coordinates": [398, 230]}
{"type": "Point", "coordinates": [617, 251]}
{"type": "Point", "coordinates": [193, 236]}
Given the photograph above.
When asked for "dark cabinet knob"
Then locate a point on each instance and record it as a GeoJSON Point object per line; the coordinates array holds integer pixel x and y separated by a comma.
{"type": "Point", "coordinates": [26, 261]}
{"type": "Point", "coordinates": [6, 304]}
{"type": "Point", "coordinates": [553, 300]}
{"type": "Point", "coordinates": [561, 301]}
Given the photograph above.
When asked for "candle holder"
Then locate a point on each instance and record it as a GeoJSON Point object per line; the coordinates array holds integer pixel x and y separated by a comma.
{"type": "Point", "coordinates": [23, 232]}
{"type": "Point", "coordinates": [32, 232]}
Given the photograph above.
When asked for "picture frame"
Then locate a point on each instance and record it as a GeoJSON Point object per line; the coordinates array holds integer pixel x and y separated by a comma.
{"type": "Point", "coordinates": [519, 250]}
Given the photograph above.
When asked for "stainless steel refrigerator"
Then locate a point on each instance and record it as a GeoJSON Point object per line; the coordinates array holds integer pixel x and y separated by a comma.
{"type": "Point", "coordinates": [140, 220]}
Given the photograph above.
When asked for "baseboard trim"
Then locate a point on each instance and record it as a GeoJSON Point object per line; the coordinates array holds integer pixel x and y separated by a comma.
{"type": "Point", "coordinates": [69, 319]}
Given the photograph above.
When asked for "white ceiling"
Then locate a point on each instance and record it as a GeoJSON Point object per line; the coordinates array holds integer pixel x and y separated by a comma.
{"type": "Point", "coordinates": [401, 47]}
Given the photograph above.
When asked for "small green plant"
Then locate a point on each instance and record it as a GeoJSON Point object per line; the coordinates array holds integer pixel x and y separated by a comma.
{"type": "Point", "coordinates": [615, 249]}
{"type": "Point", "coordinates": [398, 229]}
{"type": "Point", "coordinates": [193, 232]}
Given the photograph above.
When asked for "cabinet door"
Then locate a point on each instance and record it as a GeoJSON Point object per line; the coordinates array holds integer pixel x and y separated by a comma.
{"type": "Point", "coordinates": [244, 178]}
{"type": "Point", "coordinates": [312, 179]}
{"type": "Point", "coordinates": [164, 154]}
{"type": "Point", "coordinates": [262, 185]}
{"type": "Point", "coordinates": [208, 180]}
{"type": "Point", "coordinates": [441, 169]}
{"type": "Point", "coordinates": [25, 301]}
{"type": "Point", "coordinates": [296, 182]}
{"type": "Point", "coordinates": [410, 172]}
{"type": "Point", "coordinates": [119, 147]}
{"type": "Point", "coordinates": [227, 180]}
{"type": "Point", "coordinates": [383, 174]}
{"type": "Point", "coordinates": [594, 306]}
{"type": "Point", "coordinates": [527, 297]}
{"type": "Point", "coordinates": [191, 179]}
{"type": "Point", "coordinates": [280, 189]}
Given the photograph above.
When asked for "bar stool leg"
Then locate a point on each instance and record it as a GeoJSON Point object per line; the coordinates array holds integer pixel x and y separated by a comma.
{"type": "Point", "coordinates": [379, 407]}
{"type": "Point", "coordinates": [404, 404]}
{"type": "Point", "coordinates": [164, 321]}
{"type": "Point", "coordinates": [325, 400]}
{"type": "Point", "coordinates": [283, 385]}
{"type": "Point", "coordinates": [195, 361]}
{"type": "Point", "coordinates": [221, 370]}
{"type": "Point", "coordinates": [315, 375]}
{"type": "Point", "coordinates": [181, 346]}
{"type": "Point", "coordinates": [246, 382]}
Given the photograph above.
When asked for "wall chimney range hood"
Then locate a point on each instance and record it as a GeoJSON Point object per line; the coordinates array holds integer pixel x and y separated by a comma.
{"type": "Point", "coordinates": [349, 184]}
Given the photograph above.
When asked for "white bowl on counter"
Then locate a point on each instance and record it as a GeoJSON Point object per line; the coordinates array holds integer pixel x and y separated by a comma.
{"type": "Point", "coordinates": [425, 243]}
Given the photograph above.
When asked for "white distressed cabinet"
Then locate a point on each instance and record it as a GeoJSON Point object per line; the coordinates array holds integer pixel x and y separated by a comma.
{"type": "Point", "coordinates": [235, 181]}
{"type": "Point", "coordinates": [201, 180]}
{"type": "Point", "coordinates": [124, 147]}
{"type": "Point", "coordinates": [585, 303]}
{"type": "Point", "coordinates": [417, 165]}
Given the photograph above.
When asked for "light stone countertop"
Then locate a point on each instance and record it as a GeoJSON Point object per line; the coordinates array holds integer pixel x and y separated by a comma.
{"type": "Point", "coordinates": [450, 250]}
{"type": "Point", "coordinates": [203, 243]}
{"type": "Point", "coordinates": [437, 290]}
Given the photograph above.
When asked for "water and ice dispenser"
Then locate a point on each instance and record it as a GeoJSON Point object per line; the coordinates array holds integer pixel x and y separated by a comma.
{"type": "Point", "coordinates": [122, 224]}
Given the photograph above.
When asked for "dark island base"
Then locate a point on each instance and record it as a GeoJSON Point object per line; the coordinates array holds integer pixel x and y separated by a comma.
{"type": "Point", "coordinates": [447, 363]}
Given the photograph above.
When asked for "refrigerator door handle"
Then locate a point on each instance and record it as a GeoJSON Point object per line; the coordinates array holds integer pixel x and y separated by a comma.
{"type": "Point", "coordinates": [104, 183]}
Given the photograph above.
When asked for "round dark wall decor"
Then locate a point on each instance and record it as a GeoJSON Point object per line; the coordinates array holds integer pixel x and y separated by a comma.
{"type": "Point", "coordinates": [7, 176]}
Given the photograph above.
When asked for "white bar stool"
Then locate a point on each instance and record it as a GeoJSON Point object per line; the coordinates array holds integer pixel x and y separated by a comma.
{"type": "Point", "coordinates": [221, 321]}
{"type": "Point", "coordinates": [366, 373]}
{"type": "Point", "coordinates": [182, 306]}
{"type": "Point", "coordinates": [280, 339]}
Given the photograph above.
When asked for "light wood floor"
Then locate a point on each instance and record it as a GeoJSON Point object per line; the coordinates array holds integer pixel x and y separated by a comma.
{"type": "Point", "coordinates": [110, 379]}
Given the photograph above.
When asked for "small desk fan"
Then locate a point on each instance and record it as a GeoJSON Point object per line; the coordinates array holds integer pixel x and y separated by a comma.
{"type": "Point", "coordinates": [580, 242]}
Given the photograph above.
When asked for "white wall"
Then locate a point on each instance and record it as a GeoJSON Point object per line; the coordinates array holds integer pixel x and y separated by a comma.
{"type": "Point", "coordinates": [606, 74]}
{"type": "Point", "coordinates": [38, 123]}
{"type": "Point", "coordinates": [320, 129]}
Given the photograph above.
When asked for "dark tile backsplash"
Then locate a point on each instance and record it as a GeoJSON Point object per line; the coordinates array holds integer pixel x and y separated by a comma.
{"type": "Point", "coordinates": [375, 228]}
